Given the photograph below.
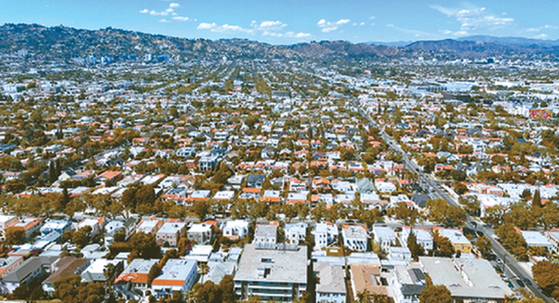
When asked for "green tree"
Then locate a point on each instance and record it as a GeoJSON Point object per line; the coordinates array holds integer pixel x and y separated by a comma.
{"type": "Point", "coordinates": [537, 200]}
{"type": "Point", "coordinates": [200, 209]}
{"type": "Point", "coordinates": [227, 287]}
{"type": "Point", "coordinates": [407, 215]}
{"type": "Point", "coordinates": [435, 294]}
{"type": "Point", "coordinates": [546, 274]}
{"type": "Point", "coordinates": [442, 247]}
{"type": "Point", "coordinates": [82, 237]}
{"type": "Point", "coordinates": [483, 245]}
{"type": "Point", "coordinates": [512, 240]}
{"type": "Point", "coordinates": [203, 270]}
{"type": "Point", "coordinates": [415, 248]}
{"type": "Point", "coordinates": [72, 290]}
{"type": "Point", "coordinates": [15, 236]}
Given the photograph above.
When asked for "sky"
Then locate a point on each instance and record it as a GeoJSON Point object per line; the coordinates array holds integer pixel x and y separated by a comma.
{"type": "Point", "coordinates": [290, 21]}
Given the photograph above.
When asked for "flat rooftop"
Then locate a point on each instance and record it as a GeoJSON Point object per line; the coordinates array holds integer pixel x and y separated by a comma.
{"type": "Point", "coordinates": [289, 266]}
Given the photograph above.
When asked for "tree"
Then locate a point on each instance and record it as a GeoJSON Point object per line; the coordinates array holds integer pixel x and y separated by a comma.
{"type": "Point", "coordinates": [546, 274]}
{"type": "Point", "coordinates": [318, 213]}
{"type": "Point", "coordinates": [203, 269]}
{"type": "Point", "coordinates": [15, 236]}
{"type": "Point", "coordinates": [200, 209]}
{"type": "Point", "coordinates": [512, 240]}
{"type": "Point", "coordinates": [145, 246]}
{"type": "Point", "coordinates": [82, 237]}
{"type": "Point", "coordinates": [71, 290]}
{"type": "Point", "coordinates": [415, 248]}
{"type": "Point", "coordinates": [207, 292]}
{"type": "Point", "coordinates": [537, 200]}
{"type": "Point", "coordinates": [483, 245]}
{"type": "Point", "coordinates": [442, 247]}
{"type": "Point", "coordinates": [435, 294]}
{"type": "Point", "coordinates": [407, 215]}
{"type": "Point", "coordinates": [494, 215]}
{"type": "Point", "coordinates": [366, 296]}
{"type": "Point", "coordinates": [154, 271]}
{"type": "Point", "coordinates": [227, 287]}
{"type": "Point", "coordinates": [15, 185]}
{"type": "Point", "coordinates": [471, 204]}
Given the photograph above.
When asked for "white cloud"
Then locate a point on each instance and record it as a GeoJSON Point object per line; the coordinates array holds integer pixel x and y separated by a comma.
{"type": "Point", "coordinates": [372, 17]}
{"type": "Point", "coordinates": [206, 25]}
{"type": "Point", "coordinates": [179, 18]}
{"type": "Point", "coordinates": [297, 35]}
{"type": "Point", "coordinates": [331, 26]}
{"type": "Point", "coordinates": [475, 18]}
{"type": "Point", "coordinates": [268, 26]}
{"type": "Point", "coordinates": [163, 13]}
{"type": "Point", "coordinates": [225, 28]}
{"type": "Point", "coordinates": [362, 23]}
{"type": "Point", "coordinates": [164, 20]}
{"type": "Point", "coordinates": [537, 29]}
{"type": "Point", "coordinates": [174, 5]}
{"type": "Point", "coordinates": [144, 11]}
{"type": "Point", "coordinates": [342, 21]}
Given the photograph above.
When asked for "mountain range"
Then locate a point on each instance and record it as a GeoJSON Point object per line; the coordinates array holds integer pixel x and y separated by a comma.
{"type": "Point", "coordinates": [65, 43]}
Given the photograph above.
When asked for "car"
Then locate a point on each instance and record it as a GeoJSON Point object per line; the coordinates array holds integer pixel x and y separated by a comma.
{"type": "Point", "coordinates": [397, 229]}
{"type": "Point", "coordinates": [520, 283]}
{"type": "Point", "coordinates": [480, 233]}
{"type": "Point", "coordinates": [527, 281]}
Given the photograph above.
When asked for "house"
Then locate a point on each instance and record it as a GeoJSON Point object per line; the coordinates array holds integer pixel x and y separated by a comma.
{"type": "Point", "coordinates": [31, 269]}
{"type": "Point", "coordinates": [536, 239]}
{"type": "Point", "coordinates": [63, 268]}
{"type": "Point", "coordinates": [325, 234]}
{"type": "Point", "coordinates": [96, 225]}
{"type": "Point", "coordinates": [177, 275]}
{"type": "Point", "coordinates": [95, 272]}
{"type": "Point", "coordinates": [201, 233]}
{"type": "Point", "coordinates": [255, 181]}
{"type": "Point", "coordinates": [399, 255]}
{"type": "Point", "coordinates": [407, 281]}
{"type": "Point", "coordinates": [135, 276]}
{"type": "Point", "coordinates": [296, 233]}
{"type": "Point", "coordinates": [330, 285]}
{"type": "Point", "coordinates": [265, 234]}
{"type": "Point", "coordinates": [208, 162]}
{"type": "Point", "coordinates": [467, 279]}
{"type": "Point", "coordinates": [385, 187]}
{"type": "Point", "coordinates": [30, 225]}
{"type": "Point", "coordinates": [150, 225]}
{"type": "Point", "coordinates": [109, 175]}
{"type": "Point", "coordinates": [6, 221]}
{"type": "Point", "coordinates": [355, 237]}
{"type": "Point", "coordinates": [8, 264]}
{"type": "Point", "coordinates": [458, 240]}
{"type": "Point", "coordinates": [115, 226]}
{"type": "Point", "coordinates": [423, 237]}
{"type": "Point", "coordinates": [272, 275]}
{"type": "Point", "coordinates": [384, 236]}
{"type": "Point", "coordinates": [236, 229]}
{"type": "Point", "coordinates": [366, 277]}
{"type": "Point", "coordinates": [171, 232]}
{"type": "Point", "coordinates": [59, 226]}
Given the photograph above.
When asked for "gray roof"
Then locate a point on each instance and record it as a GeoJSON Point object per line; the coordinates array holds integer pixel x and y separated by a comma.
{"type": "Point", "coordinates": [266, 230]}
{"type": "Point", "coordinates": [482, 280]}
{"type": "Point", "coordinates": [332, 278]}
{"type": "Point", "coordinates": [412, 289]}
{"type": "Point", "coordinates": [24, 270]}
{"type": "Point", "coordinates": [283, 265]}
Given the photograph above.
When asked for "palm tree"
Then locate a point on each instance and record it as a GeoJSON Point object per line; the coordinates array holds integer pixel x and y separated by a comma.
{"type": "Point", "coordinates": [203, 269]}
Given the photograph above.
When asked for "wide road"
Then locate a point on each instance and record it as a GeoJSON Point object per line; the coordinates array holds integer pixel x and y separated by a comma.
{"type": "Point", "coordinates": [427, 182]}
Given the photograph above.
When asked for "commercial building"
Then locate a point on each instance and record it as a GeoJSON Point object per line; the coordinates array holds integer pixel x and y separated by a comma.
{"type": "Point", "coordinates": [272, 274]}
